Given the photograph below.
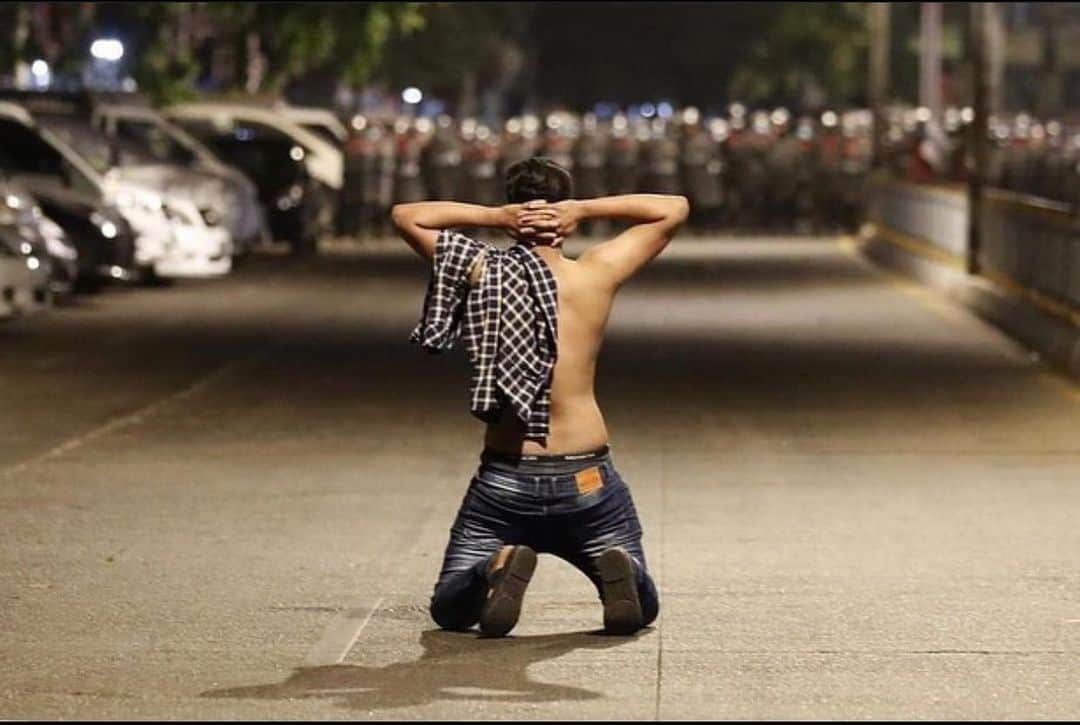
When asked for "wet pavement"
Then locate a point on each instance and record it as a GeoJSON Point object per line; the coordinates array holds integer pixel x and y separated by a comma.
{"type": "Point", "coordinates": [859, 501]}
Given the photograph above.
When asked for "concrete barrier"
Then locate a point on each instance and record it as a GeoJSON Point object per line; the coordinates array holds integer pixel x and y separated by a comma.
{"type": "Point", "coordinates": [1034, 242]}
{"type": "Point", "coordinates": [1029, 280]}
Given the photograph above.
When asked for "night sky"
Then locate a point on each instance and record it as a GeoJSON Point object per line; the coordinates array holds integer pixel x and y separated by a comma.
{"type": "Point", "coordinates": [630, 52]}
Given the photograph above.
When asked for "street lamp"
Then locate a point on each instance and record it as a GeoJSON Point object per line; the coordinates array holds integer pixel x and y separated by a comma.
{"type": "Point", "coordinates": [412, 95]}
{"type": "Point", "coordinates": [109, 49]}
{"type": "Point", "coordinates": [40, 73]}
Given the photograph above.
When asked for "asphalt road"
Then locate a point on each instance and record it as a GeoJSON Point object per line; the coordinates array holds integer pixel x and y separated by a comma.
{"type": "Point", "coordinates": [859, 502]}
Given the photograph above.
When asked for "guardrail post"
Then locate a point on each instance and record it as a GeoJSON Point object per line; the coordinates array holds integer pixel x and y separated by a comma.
{"type": "Point", "coordinates": [986, 42]}
{"type": "Point", "coordinates": [878, 22]}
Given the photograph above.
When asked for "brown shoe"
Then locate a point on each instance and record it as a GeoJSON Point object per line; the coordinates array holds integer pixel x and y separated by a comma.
{"type": "Point", "coordinates": [618, 579]}
{"type": "Point", "coordinates": [509, 575]}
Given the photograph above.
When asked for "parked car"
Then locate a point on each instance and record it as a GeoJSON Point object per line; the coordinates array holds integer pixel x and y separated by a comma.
{"type": "Point", "coordinates": [301, 193]}
{"type": "Point", "coordinates": [320, 121]}
{"type": "Point", "coordinates": [299, 206]}
{"type": "Point", "coordinates": [24, 279]}
{"type": "Point", "coordinates": [174, 237]}
{"type": "Point", "coordinates": [324, 161]}
{"type": "Point", "coordinates": [229, 194]}
{"type": "Point", "coordinates": [69, 194]}
{"type": "Point", "coordinates": [40, 237]}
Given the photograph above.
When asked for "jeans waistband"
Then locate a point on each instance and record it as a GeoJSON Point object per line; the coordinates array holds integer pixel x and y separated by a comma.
{"type": "Point", "coordinates": [535, 465]}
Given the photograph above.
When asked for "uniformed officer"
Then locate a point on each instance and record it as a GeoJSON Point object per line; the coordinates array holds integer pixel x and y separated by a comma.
{"type": "Point", "coordinates": [590, 167]}
{"type": "Point", "coordinates": [699, 167]}
{"type": "Point", "coordinates": [441, 161]}
{"type": "Point", "coordinates": [661, 157]}
{"type": "Point", "coordinates": [623, 157]}
{"type": "Point", "coordinates": [408, 180]}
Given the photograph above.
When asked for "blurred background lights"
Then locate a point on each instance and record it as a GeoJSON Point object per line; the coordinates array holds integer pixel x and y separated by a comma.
{"type": "Point", "coordinates": [109, 49]}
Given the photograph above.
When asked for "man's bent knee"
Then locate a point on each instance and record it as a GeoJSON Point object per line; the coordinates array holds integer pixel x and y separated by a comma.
{"type": "Point", "coordinates": [448, 615]}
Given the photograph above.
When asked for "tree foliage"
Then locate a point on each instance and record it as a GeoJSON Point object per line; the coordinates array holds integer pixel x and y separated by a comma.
{"type": "Point", "coordinates": [813, 52]}
{"type": "Point", "coordinates": [170, 45]}
{"type": "Point", "coordinates": [456, 39]}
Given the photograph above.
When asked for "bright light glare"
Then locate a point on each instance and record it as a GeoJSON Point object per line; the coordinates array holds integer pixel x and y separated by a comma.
{"type": "Point", "coordinates": [39, 67]}
{"type": "Point", "coordinates": [412, 94]}
{"type": "Point", "coordinates": [296, 153]}
{"type": "Point", "coordinates": [107, 49]}
{"type": "Point", "coordinates": [108, 230]}
{"type": "Point", "coordinates": [33, 263]}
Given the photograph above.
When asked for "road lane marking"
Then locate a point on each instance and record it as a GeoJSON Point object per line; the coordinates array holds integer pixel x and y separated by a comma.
{"type": "Point", "coordinates": [134, 418]}
{"type": "Point", "coordinates": [339, 637]}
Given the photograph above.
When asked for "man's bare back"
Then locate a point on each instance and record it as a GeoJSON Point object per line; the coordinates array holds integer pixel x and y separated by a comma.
{"type": "Point", "coordinates": [576, 422]}
{"type": "Point", "coordinates": [586, 286]}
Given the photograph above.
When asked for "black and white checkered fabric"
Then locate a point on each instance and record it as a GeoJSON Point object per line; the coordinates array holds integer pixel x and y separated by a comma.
{"type": "Point", "coordinates": [509, 323]}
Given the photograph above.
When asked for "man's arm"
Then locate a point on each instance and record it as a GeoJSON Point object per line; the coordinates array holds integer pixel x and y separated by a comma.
{"type": "Point", "coordinates": [656, 218]}
{"type": "Point", "coordinates": [419, 223]}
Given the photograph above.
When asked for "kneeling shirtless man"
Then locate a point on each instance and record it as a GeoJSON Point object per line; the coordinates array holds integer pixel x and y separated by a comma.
{"type": "Point", "coordinates": [557, 492]}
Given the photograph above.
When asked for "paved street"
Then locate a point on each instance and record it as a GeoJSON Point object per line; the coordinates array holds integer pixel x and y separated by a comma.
{"type": "Point", "coordinates": [859, 501]}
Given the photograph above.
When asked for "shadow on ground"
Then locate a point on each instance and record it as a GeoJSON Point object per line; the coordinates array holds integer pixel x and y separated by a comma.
{"type": "Point", "coordinates": [453, 667]}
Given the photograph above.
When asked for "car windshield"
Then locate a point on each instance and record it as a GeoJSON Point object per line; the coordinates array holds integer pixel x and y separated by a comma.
{"type": "Point", "coordinates": [268, 159]}
{"type": "Point", "coordinates": [322, 131]}
{"type": "Point", "coordinates": [164, 142]}
{"type": "Point", "coordinates": [92, 144]}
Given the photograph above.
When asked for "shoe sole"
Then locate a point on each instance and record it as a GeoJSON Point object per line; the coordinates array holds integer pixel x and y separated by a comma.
{"type": "Point", "coordinates": [503, 605]}
{"type": "Point", "coordinates": [622, 607]}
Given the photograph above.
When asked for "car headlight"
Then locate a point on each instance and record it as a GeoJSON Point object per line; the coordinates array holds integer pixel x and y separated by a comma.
{"type": "Point", "coordinates": [58, 247]}
{"type": "Point", "coordinates": [291, 198]}
{"type": "Point", "coordinates": [105, 225]}
{"type": "Point", "coordinates": [182, 213]}
{"type": "Point", "coordinates": [210, 216]}
{"type": "Point", "coordinates": [145, 200]}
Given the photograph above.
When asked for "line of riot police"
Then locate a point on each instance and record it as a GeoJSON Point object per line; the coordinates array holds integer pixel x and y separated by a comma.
{"type": "Point", "coordinates": [759, 170]}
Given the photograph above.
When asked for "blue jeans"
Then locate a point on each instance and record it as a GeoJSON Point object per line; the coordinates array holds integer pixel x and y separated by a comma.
{"type": "Point", "coordinates": [574, 517]}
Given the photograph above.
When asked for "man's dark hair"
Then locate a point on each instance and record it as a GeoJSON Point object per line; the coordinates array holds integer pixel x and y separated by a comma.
{"type": "Point", "coordinates": [538, 178]}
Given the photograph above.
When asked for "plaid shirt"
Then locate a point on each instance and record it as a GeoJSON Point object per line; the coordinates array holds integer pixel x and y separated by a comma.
{"type": "Point", "coordinates": [509, 323]}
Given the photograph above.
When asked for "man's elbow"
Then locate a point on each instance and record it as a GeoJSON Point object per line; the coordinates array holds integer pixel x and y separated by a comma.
{"type": "Point", "coordinates": [680, 209]}
{"type": "Point", "coordinates": [400, 216]}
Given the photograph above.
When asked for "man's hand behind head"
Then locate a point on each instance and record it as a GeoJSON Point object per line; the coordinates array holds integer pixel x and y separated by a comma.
{"type": "Point", "coordinates": [549, 223]}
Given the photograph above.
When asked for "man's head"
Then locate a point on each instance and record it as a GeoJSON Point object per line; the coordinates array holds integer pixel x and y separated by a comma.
{"type": "Point", "coordinates": [538, 178]}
